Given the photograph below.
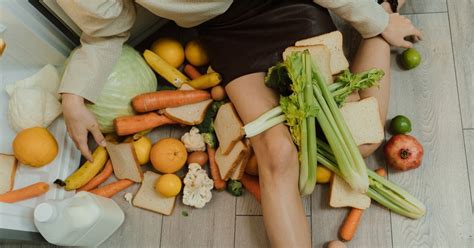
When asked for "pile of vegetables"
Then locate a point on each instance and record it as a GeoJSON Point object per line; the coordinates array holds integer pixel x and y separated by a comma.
{"type": "Point", "coordinates": [305, 98]}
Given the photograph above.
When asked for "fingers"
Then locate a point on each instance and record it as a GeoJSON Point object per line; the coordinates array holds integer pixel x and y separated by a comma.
{"type": "Point", "coordinates": [82, 146]}
{"type": "Point", "coordinates": [406, 44]}
{"type": "Point", "coordinates": [99, 138]}
{"type": "Point", "coordinates": [80, 140]}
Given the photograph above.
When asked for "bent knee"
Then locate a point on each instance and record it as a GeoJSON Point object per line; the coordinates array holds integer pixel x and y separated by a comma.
{"type": "Point", "coordinates": [276, 152]}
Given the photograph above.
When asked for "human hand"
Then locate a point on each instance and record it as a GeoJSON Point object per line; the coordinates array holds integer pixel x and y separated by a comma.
{"type": "Point", "coordinates": [80, 121]}
{"type": "Point", "coordinates": [398, 28]}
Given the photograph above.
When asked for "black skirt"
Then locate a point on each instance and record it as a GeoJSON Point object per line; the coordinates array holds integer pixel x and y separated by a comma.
{"type": "Point", "coordinates": [252, 34]}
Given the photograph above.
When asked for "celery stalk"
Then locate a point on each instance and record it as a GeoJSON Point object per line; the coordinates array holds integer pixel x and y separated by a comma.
{"type": "Point", "coordinates": [381, 190]}
{"type": "Point", "coordinates": [354, 173]}
{"type": "Point", "coordinates": [310, 181]}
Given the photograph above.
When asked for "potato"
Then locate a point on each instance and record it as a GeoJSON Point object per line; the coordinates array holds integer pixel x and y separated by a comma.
{"type": "Point", "coordinates": [336, 244]}
{"type": "Point", "coordinates": [218, 93]}
{"type": "Point", "coordinates": [198, 157]}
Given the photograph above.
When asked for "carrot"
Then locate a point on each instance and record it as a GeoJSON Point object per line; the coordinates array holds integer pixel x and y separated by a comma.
{"type": "Point", "coordinates": [381, 172]}
{"type": "Point", "coordinates": [126, 125]}
{"type": "Point", "coordinates": [252, 185]}
{"type": "Point", "coordinates": [111, 189]}
{"type": "Point", "coordinates": [167, 99]}
{"type": "Point", "coordinates": [349, 227]}
{"type": "Point", "coordinates": [99, 178]}
{"type": "Point", "coordinates": [219, 184]}
{"type": "Point", "coordinates": [191, 71]}
{"type": "Point", "coordinates": [27, 192]}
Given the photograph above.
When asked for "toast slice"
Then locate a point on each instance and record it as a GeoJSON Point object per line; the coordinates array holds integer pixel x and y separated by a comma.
{"type": "Point", "coordinates": [342, 195]}
{"type": "Point", "coordinates": [228, 127]}
{"type": "Point", "coordinates": [363, 120]}
{"type": "Point", "coordinates": [124, 161]}
{"type": "Point", "coordinates": [147, 197]}
{"type": "Point", "coordinates": [191, 114]}
{"type": "Point", "coordinates": [333, 41]}
{"type": "Point", "coordinates": [227, 163]}
{"type": "Point", "coordinates": [2, 46]}
{"type": "Point", "coordinates": [8, 166]}
{"type": "Point", "coordinates": [321, 57]}
{"type": "Point", "coordinates": [240, 168]}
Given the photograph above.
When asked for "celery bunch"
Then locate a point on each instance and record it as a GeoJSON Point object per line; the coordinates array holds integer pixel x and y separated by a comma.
{"type": "Point", "coordinates": [304, 96]}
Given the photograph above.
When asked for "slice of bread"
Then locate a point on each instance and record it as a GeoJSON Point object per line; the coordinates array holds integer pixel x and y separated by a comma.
{"type": "Point", "coordinates": [333, 41]}
{"type": "Point", "coordinates": [240, 168]}
{"type": "Point", "coordinates": [320, 55]}
{"type": "Point", "coordinates": [363, 120]}
{"type": "Point", "coordinates": [124, 161]}
{"type": "Point", "coordinates": [342, 195]}
{"type": "Point", "coordinates": [3, 45]}
{"type": "Point", "coordinates": [191, 114]}
{"type": "Point", "coordinates": [8, 165]}
{"type": "Point", "coordinates": [228, 127]}
{"type": "Point", "coordinates": [227, 163]}
{"type": "Point", "coordinates": [147, 197]}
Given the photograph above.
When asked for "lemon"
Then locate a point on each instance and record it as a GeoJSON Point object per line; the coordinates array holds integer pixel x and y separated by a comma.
{"type": "Point", "coordinates": [323, 175]}
{"type": "Point", "coordinates": [35, 147]}
{"type": "Point", "coordinates": [168, 185]}
{"type": "Point", "coordinates": [195, 53]}
{"type": "Point", "coordinates": [142, 149]}
{"type": "Point", "coordinates": [170, 50]}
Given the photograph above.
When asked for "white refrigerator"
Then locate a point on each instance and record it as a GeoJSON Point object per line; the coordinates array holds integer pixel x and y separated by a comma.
{"type": "Point", "coordinates": [38, 33]}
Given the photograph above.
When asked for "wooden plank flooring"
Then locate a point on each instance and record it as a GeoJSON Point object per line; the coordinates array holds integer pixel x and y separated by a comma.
{"type": "Point", "coordinates": [437, 96]}
{"type": "Point", "coordinates": [428, 96]}
{"type": "Point", "coordinates": [461, 19]}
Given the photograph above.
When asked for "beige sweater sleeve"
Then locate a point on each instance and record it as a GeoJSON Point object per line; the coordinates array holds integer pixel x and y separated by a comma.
{"type": "Point", "coordinates": [366, 16]}
{"type": "Point", "coordinates": [105, 25]}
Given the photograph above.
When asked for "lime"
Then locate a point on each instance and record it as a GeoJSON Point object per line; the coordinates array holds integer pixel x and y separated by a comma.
{"type": "Point", "coordinates": [400, 125]}
{"type": "Point", "coordinates": [411, 58]}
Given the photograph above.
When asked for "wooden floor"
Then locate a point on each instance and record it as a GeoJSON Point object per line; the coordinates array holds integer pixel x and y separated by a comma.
{"type": "Point", "coordinates": [439, 98]}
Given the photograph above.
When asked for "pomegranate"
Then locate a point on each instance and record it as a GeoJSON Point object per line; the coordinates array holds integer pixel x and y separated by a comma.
{"type": "Point", "coordinates": [403, 152]}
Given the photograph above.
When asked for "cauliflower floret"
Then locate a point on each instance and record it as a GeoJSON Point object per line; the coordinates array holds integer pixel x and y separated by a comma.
{"type": "Point", "coordinates": [197, 187]}
{"type": "Point", "coordinates": [193, 140]}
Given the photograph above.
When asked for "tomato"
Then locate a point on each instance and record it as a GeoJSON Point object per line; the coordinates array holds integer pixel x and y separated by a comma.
{"type": "Point", "coordinates": [400, 125]}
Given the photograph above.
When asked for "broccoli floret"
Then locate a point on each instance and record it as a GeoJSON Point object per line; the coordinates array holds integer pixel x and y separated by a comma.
{"type": "Point", "coordinates": [210, 139]}
{"type": "Point", "coordinates": [234, 187]}
{"type": "Point", "coordinates": [207, 125]}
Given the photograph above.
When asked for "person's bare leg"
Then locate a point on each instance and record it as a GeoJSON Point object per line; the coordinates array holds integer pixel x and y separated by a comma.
{"type": "Point", "coordinates": [278, 166]}
{"type": "Point", "coordinates": [375, 53]}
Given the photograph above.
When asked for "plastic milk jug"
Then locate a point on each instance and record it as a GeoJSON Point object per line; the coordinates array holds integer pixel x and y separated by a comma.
{"type": "Point", "coordinates": [83, 220]}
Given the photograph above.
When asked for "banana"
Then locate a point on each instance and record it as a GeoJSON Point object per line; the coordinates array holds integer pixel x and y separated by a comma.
{"type": "Point", "coordinates": [206, 81]}
{"type": "Point", "coordinates": [168, 72]}
{"type": "Point", "coordinates": [87, 171]}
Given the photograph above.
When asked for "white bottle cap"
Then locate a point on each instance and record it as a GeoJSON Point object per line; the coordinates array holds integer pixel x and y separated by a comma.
{"type": "Point", "coordinates": [45, 212]}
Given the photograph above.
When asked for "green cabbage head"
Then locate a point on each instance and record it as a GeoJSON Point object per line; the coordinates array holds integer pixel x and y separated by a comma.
{"type": "Point", "coordinates": [131, 76]}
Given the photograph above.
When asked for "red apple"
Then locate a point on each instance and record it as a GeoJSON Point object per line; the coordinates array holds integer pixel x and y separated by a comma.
{"type": "Point", "coordinates": [403, 152]}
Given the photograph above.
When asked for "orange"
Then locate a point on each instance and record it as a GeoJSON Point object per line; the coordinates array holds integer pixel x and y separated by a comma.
{"type": "Point", "coordinates": [168, 185]}
{"type": "Point", "coordinates": [142, 148]}
{"type": "Point", "coordinates": [195, 53]}
{"type": "Point", "coordinates": [170, 50]}
{"type": "Point", "coordinates": [35, 146]}
{"type": "Point", "coordinates": [168, 155]}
